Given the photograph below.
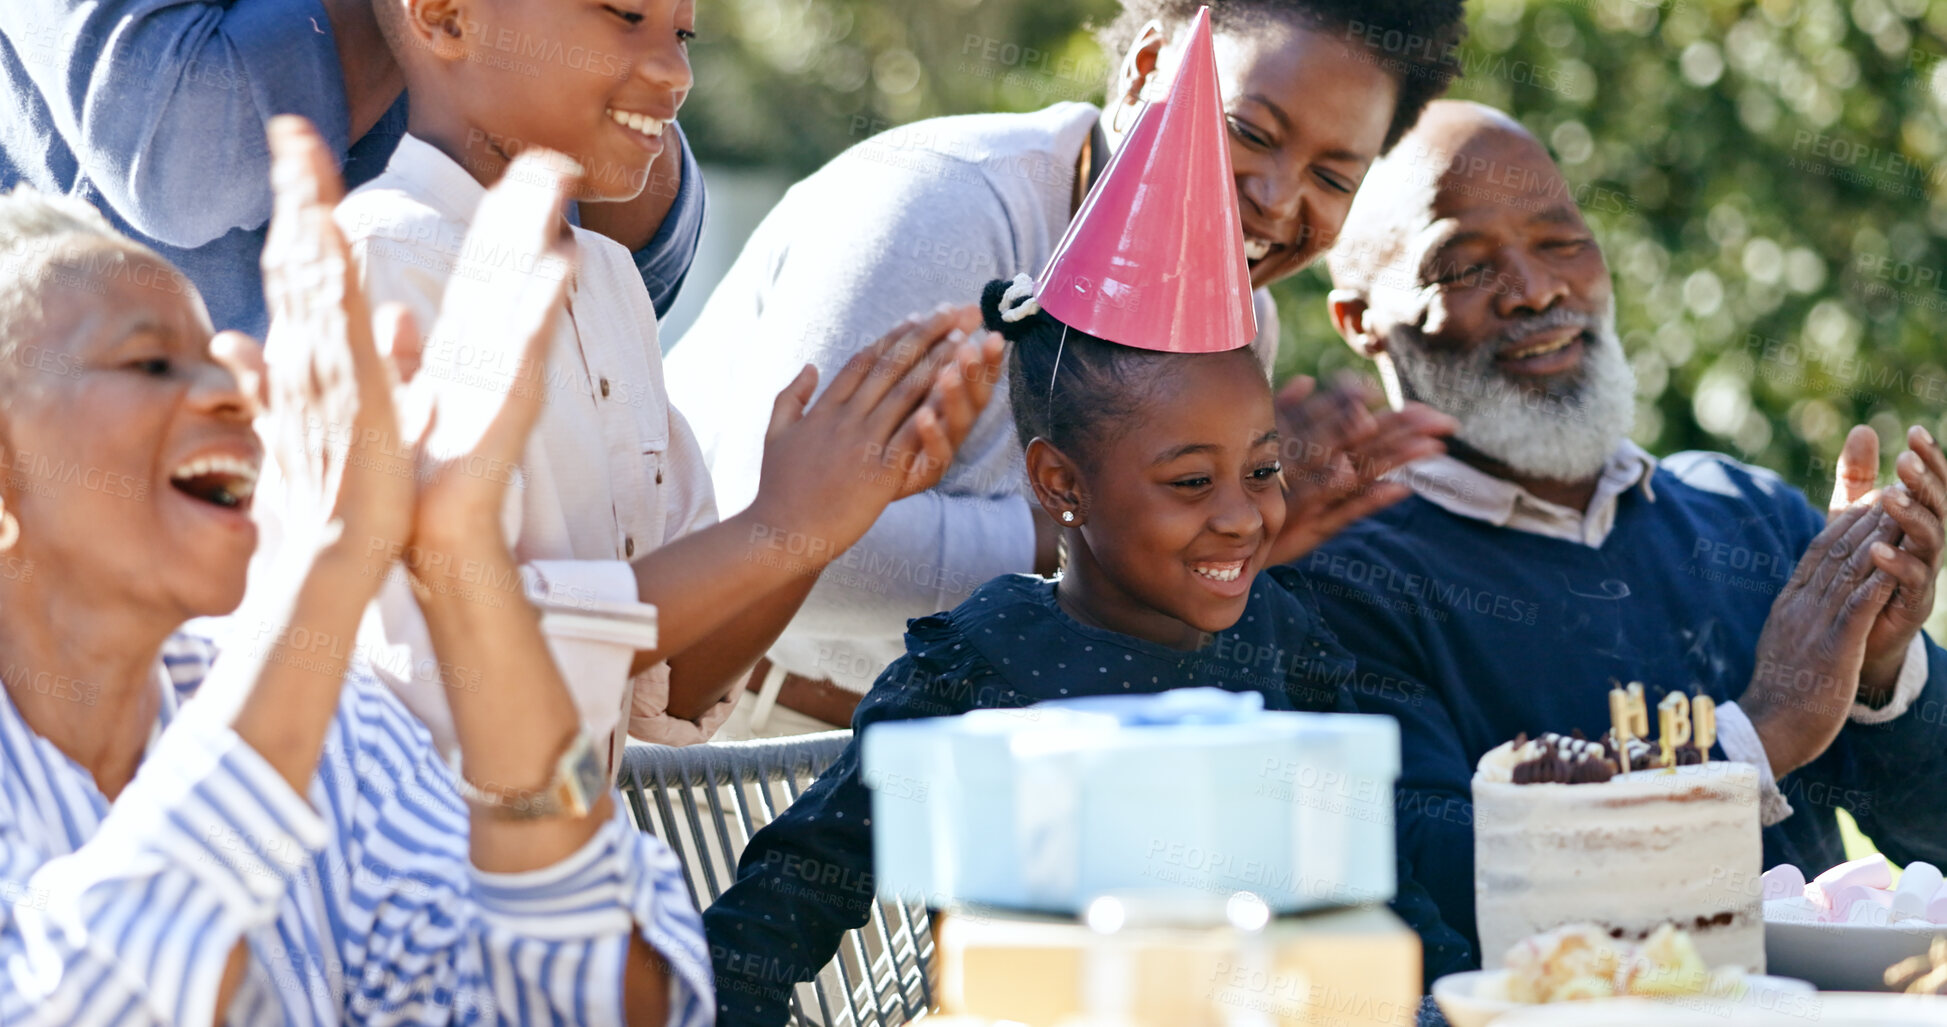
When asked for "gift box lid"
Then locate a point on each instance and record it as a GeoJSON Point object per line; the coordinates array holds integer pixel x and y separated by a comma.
{"type": "Point", "coordinates": [1176, 720]}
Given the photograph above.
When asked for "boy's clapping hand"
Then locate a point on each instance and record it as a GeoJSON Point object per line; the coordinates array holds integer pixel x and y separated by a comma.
{"type": "Point", "coordinates": [885, 428]}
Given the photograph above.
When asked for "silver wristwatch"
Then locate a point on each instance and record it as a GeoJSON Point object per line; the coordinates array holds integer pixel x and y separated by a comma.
{"type": "Point", "coordinates": [577, 784]}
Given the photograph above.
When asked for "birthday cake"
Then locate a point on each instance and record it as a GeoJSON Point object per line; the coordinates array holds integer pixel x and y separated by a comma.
{"type": "Point", "coordinates": [1609, 832]}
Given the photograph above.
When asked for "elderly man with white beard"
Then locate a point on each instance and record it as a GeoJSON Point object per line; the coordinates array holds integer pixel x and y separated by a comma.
{"type": "Point", "coordinates": [1547, 557]}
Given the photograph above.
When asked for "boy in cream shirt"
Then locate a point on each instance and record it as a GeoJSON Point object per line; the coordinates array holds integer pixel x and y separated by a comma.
{"type": "Point", "coordinates": [616, 505]}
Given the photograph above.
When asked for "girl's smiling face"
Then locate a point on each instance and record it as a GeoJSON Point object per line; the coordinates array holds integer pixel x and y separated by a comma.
{"type": "Point", "coordinates": [1176, 504]}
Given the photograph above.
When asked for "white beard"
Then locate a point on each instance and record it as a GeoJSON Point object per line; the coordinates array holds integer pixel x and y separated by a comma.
{"type": "Point", "coordinates": [1564, 431]}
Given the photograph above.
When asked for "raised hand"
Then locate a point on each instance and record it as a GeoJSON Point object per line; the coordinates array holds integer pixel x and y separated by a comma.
{"type": "Point", "coordinates": [1813, 645]}
{"type": "Point", "coordinates": [501, 315]}
{"type": "Point", "coordinates": [332, 427]}
{"type": "Point", "coordinates": [1858, 470]}
{"type": "Point", "coordinates": [1336, 449]}
{"type": "Point", "coordinates": [885, 428]}
{"type": "Point", "coordinates": [1917, 503]}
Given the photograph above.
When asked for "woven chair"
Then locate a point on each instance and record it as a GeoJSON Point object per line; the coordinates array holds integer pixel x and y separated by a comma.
{"type": "Point", "coordinates": [705, 802]}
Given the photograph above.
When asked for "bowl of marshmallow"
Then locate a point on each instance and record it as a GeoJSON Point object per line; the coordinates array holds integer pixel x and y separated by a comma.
{"type": "Point", "coordinates": [1843, 929]}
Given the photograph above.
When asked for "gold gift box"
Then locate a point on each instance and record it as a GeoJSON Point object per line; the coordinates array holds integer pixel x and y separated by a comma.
{"type": "Point", "coordinates": [1343, 967]}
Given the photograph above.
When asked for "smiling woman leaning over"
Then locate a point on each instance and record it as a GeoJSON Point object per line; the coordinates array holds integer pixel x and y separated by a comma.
{"type": "Point", "coordinates": [286, 848]}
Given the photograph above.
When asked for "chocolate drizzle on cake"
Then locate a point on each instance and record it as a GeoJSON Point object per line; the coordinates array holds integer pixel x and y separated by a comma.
{"type": "Point", "coordinates": [1641, 753]}
{"type": "Point", "coordinates": [1556, 759]}
{"type": "Point", "coordinates": [1575, 760]}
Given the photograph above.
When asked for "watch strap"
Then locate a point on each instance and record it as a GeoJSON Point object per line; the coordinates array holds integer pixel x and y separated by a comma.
{"type": "Point", "coordinates": [562, 794]}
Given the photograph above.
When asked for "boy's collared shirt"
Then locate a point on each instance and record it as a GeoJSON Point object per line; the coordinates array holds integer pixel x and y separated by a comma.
{"type": "Point", "coordinates": [611, 472]}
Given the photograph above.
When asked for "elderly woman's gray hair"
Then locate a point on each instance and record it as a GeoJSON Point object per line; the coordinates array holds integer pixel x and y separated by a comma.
{"type": "Point", "coordinates": [49, 239]}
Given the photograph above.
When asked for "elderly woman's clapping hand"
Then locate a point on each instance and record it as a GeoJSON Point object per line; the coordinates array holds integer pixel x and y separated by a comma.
{"type": "Point", "coordinates": [351, 459]}
{"type": "Point", "coordinates": [389, 467]}
{"type": "Point", "coordinates": [500, 316]}
{"type": "Point", "coordinates": [372, 451]}
{"type": "Point", "coordinates": [332, 427]}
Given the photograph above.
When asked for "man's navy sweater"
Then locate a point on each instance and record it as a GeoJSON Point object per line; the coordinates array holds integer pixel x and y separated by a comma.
{"type": "Point", "coordinates": [1470, 633]}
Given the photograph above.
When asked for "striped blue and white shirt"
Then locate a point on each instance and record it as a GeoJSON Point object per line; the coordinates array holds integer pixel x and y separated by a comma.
{"type": "Point", "coordinates": [358, 906]}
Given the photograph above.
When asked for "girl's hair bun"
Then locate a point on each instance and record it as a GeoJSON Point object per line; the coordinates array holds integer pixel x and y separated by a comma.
{"type": "Point", "coordinates": [1010, 310]}
{"type": "Point", "coordinates": [990, 311]}
{"type": "Point", "coordinates": [1065, 385]}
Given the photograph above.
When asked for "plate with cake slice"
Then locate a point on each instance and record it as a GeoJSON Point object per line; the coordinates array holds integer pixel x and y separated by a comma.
{"type": "Point", "coordinates": [1577, 964]}
{"type": "Point", "coordinates": [1827, 1009]}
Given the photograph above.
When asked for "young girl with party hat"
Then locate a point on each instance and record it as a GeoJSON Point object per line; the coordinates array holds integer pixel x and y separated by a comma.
{"type": "Point", "coordinates": [1150, 437]}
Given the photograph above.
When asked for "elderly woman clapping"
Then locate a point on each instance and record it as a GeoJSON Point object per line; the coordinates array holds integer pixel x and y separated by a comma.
{"type": "Point", "coordinates": [286, 848]}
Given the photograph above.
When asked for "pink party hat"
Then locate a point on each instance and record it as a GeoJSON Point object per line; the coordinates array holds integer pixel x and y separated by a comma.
{"type": "Point", "coordinates": [1155, 257]}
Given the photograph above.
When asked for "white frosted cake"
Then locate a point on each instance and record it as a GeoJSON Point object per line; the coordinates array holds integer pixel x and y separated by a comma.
{"type": "Point", "coordinates": [1628, 852]}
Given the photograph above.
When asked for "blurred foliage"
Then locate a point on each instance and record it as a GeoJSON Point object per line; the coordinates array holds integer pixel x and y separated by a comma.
{"type": "Point", "coordinates": [790, 83]}
{"type": "Point", "coordinates": [1769, 180]}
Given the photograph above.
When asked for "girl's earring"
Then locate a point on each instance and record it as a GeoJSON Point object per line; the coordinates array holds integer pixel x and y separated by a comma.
{"type": "Point", "coordinates": [1067, 517]}
{"type": "Point", "coordinates": [9, 529]}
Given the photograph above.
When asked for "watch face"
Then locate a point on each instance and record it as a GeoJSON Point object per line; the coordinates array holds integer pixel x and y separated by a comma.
{"type": "Point", "coordinates": [587, 773]}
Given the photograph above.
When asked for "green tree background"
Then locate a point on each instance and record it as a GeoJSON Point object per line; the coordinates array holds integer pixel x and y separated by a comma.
{"type": "Point", "coordinates": [1766, 178]}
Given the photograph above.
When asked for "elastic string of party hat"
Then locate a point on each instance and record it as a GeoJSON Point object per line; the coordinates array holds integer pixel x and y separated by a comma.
{"type": "Point", "coordinates": [1063, 344]}
{"type": "Point", "coordinates": [1018, 302]}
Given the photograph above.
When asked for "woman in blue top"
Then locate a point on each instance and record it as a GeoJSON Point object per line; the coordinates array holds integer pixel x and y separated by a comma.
{"type": "Point", "coordinates": [1163, 470]}
{"type": "Point", "coordinates": [153, 111]}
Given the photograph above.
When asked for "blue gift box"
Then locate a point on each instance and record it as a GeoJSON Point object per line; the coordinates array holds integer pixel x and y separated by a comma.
{"type": "Point", "coordinates": [1198, 791]}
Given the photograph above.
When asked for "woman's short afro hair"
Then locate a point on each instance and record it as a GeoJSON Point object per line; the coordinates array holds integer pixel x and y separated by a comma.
{"type": "Point", "coordinates": [1417, 40]}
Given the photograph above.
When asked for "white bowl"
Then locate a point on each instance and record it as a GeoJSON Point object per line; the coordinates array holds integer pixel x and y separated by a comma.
{"type": "Point", "coordinates": [1474, 999]}
{"type": "Point", "coordinates": [1826, 1009]}
{"type": "Point", "coordinates": [1461, 1002]}
{"type": "Point", "coordinates": [1843, 957]}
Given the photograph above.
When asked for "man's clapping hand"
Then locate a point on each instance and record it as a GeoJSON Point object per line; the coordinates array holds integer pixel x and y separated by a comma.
{"type": "Point", "coordinates": [1917, 503]}
{"type": "Point", "coordinates": [1814, 641]}
{"type": "Point", "coordinates": [1840, 629]}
